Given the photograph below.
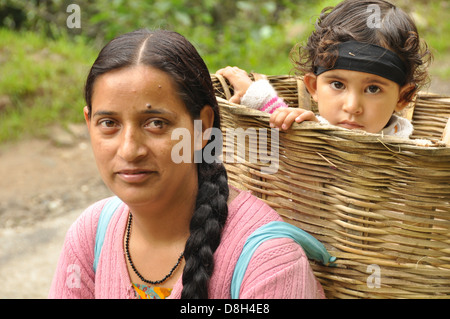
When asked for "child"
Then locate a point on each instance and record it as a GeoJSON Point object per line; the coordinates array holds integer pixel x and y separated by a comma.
{"type": "Point", "coordinates": [359, 72]}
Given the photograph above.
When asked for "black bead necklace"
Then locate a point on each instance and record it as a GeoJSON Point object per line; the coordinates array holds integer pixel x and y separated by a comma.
{"type": "Point", "coordinates": [127, 251]}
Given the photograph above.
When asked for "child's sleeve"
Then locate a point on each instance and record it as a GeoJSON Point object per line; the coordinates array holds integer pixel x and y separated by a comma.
{"type": "Point", "coordinates": [262, 96]}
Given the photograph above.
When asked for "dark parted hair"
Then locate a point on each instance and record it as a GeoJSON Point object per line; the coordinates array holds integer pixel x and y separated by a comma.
{"type": "Point", "coordinates": [172, 53]}
{"type": "Point", "coordinates": [351, 20]}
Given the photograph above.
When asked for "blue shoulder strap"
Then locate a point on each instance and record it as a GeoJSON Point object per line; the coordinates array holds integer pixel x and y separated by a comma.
{"type": "Point", "coordinates": [103, 222]}
{"type": "Point", "coordinates": [313, 248]}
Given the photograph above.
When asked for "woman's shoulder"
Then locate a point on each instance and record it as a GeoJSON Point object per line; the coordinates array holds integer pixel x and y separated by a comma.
{"type": "Point", "coordinates": [84, 228]}
{"type": "Point", "coordinates": [246, 212]}
{"type": "Point", "coordinates": [245, 200]}
{"type": "Point", "coordinates": [77, 255]}
{"type": "Point", "coordinates": [91, 214]}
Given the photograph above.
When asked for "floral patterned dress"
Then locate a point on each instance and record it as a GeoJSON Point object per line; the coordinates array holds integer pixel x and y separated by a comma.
{"type": "Point", "coordinates": [145, 292]}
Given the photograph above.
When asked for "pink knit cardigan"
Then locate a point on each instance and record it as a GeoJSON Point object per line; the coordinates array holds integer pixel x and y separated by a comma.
{"type": "Point", "coordinates": [278, 269]}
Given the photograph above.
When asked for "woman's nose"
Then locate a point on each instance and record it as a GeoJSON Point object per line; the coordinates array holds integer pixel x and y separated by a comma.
{"type": "Point", "coordinates": [132, 145]}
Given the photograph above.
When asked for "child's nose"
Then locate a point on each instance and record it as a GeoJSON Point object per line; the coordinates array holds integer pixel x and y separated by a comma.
{"type": "Point", "coordinates": [352, 104]}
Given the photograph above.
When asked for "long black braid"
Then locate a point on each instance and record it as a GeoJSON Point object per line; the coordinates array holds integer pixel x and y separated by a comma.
{"type": "Point", "coordinates": [205, 229]}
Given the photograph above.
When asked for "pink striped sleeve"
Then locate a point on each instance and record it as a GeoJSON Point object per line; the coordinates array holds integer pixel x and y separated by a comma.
{"type": "Point", "coordinates": [262, 96]}
{"type": "Point", "coordinates": [273, 104]}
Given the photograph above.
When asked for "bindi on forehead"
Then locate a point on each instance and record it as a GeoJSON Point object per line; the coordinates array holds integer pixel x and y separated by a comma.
{"type": "Point", "coordinates": [148, 105]}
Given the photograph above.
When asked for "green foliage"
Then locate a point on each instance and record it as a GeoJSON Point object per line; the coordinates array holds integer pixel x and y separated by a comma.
{"type": "Point", "coordinates": [245, 33]}
{"type": "Point", "coordinates": [433, 21]}
{"type": "Point", "coordinates": [41, 82]}
{"type": "Point", "coordinates": [43, 63]}
{"type": "Point", "coordinates": [47, 62]}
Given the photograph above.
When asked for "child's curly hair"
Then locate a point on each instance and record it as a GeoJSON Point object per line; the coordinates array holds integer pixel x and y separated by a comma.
{"type": "Point", "coordinates": [350, 20]}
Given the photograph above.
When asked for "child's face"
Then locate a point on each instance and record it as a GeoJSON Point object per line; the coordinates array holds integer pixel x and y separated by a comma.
{"type": "Point", "coordinates": [356, 100]}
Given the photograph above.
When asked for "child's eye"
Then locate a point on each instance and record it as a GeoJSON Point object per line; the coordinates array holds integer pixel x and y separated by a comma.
{"type": "Point", "coordinates": [373, 89]}
{"type": "Point", "coordinates": [337, 85]}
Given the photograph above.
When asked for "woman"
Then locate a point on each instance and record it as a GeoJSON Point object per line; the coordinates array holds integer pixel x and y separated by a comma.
{"type": "Point", "coordinates": [179, 229]}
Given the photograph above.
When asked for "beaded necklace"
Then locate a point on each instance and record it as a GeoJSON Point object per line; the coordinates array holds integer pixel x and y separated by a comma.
{"type": "Point", "coordinates": [127, 251]}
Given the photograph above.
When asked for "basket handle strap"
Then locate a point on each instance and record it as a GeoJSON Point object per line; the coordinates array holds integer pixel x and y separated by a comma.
{"type": "Point", "coordinates": [313, 248]}
{"type": "Point", "coordinates": [408, 111]}
{"type": "Point", "coordinates": [304, 100]}
{"type": "Point", "coordinates": [226, 88]}
{"type": "Point", "coordinates": [446, 134]}
{"type": "Point", "coordinates": [258, 76]}
{"type": "Point", "coordinates": [105, 216]}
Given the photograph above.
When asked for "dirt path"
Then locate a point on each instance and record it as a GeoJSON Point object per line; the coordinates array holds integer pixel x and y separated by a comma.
{"type": "Point", "coordinates": [44, 186]}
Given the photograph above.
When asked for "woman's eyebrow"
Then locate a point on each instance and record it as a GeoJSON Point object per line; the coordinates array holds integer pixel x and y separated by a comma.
{"type": "Point", "coordinates": [159, 112]}
{"type": "Point", "coordinates": [147, 111]}
{"type": "Point", "coordinates": [105, 113]}
{"type": "Point", "coordinates": [154, 111]}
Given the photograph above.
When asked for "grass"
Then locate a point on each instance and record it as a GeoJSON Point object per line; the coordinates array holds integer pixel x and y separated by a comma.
{"type": "Point", "coordinates": [41, 80]}
{"type": "Point", "coordinates": [41, 83]}
{"type": "Point", "coordinates": [266, 51]}
{"type": "Point", "coordinates": [433, 21]}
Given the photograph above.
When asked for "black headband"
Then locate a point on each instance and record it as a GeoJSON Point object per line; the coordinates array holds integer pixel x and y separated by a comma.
{"type": "Point", "coordinates": [368, 58]}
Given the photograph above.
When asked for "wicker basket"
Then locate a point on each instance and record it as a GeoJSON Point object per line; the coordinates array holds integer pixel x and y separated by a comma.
{"type": "Point", "coordinates": [380, 204]}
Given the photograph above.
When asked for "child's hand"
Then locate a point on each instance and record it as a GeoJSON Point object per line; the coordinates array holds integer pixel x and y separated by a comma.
{"type": "Point", "coordinates": [239, 79]}
{"type": "Point", "coordinates": [283, 118]}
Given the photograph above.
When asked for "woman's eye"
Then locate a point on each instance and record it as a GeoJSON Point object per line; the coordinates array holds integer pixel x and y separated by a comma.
{"type": "Point", "coordinates": [107, 123]}
{"type": "Point", "coordinates": [337, 85]}
{"type": "Point", "coordinates": [372, 89]}
{"type": "Point", "coordinates": [156, 124]}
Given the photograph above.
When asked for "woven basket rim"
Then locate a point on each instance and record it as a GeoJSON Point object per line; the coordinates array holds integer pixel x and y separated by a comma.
{"type": "Point", "coordinates": [355, 135]}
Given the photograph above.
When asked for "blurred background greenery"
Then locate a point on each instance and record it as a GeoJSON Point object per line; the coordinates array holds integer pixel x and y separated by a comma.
{"type": "Point", "coordinates": [43, 63]}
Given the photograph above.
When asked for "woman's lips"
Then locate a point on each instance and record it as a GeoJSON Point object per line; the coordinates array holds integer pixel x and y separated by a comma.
{"type": "Point", "coordinates": [135, 175]}
{"type": "Point", "coordinates": [350, 125]}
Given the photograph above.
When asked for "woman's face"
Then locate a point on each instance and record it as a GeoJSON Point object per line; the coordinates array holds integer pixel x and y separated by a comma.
{"type": "Point", "coordinates": [134, 112]}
